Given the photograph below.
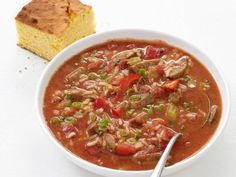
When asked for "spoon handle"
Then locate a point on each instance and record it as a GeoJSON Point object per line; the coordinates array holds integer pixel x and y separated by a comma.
{"type": "Point", "coordinates": [161, 164]}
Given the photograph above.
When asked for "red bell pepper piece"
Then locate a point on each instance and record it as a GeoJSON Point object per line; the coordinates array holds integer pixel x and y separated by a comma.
{"type": "Point", "coordinates": [101, 103]}
{"type": "Point", "coordinates": [116, 112]}
{"type": "Point", "coordinates": [125, 149]}
{"type": "Point", "coordinates": [161, 92]}
{"type": "Point", "coordinates": [126, 82]}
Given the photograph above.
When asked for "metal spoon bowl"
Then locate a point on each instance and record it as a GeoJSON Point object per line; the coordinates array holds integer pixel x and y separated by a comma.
{"type": "Point", "coordinates": [161, 163]}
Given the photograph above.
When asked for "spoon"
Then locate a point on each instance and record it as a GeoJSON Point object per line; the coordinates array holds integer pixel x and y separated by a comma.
{"type": "Point", "coordinates": [161, 164]}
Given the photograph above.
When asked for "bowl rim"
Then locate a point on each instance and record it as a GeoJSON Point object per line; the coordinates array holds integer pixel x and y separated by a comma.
{"type": "Point", "coordinates": [40, 91]}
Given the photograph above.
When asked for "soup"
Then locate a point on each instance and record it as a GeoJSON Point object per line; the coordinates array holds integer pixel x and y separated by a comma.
{"type": "Point", "coordinates": [118, 104]}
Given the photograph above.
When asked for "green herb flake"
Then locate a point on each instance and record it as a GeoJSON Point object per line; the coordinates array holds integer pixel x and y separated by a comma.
{"type": "Point", "coordinates": [68, 97]}
{"type": "Point", "coordinates": [142, 72]}
{"type": "Point", "coordinates": [103, 123]}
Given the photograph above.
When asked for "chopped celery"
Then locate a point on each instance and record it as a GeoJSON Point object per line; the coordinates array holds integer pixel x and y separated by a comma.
{"type": "Point", "coordinates": [69, 97]}
{"type": "Point", "coordinates": [134, 60]}
{"type": "Point", "coordinates": [117, 60]}
{"type": "Point", "coordinates": [158, 107]}
{"type": "Point", "coordinates": [103, 123]}
{"type": "Point", "coordinates": [137, 134]}
{"type": "Point", "coordinates": [103, 76]}
{"type": "Point", "coordinates": [56, 121]}
{"type": "Point", "coordinates": [172, 112]}
{"type": "Point", "coordinates": [76, 104]}
{"type": "Point", "coordinates": [71, 120]}
{"type": "Point", "coordinates": [130, 112]}
{"type": "Point", "coordinates": [124, 133]}
{"type": "Point", "coordinates": [131, 140]}
{"type": "Point", "coordinates": [93, 75]}
{"type": "Point", "coordinates": [135, 98]}
{"type": "Point", "coordinates": [148, 110]}
{"type": "Point", "coordinates": [130, 91]}
{"type": "Point", "coordinates": [187, 78]}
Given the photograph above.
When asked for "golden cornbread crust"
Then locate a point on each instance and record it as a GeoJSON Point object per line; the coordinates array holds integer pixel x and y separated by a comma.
{"type": "Point", "coordinates": [51, 16]}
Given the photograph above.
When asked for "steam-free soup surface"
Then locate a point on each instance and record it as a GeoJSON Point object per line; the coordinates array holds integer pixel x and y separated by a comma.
{"type": "Point", "coordinates": [118, 104]}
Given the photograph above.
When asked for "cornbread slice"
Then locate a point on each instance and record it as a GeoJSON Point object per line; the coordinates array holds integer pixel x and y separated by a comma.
{"type": "Point", "coordinates": [45, 27]}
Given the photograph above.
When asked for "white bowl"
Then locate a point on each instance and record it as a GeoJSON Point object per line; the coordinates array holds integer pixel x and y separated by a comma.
{"type": "Point", "coordinates": [82, 44]}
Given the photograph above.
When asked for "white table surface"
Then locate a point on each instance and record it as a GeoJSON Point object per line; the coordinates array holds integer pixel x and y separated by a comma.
{"type": "Point", "coordinates": [25, 151]}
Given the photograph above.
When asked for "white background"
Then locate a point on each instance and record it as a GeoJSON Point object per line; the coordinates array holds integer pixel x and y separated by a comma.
{"type": "Point", "coordinates": [25, 151]}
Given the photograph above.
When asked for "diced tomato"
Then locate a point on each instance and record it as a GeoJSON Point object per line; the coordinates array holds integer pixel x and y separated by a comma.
{"type": "Point", "coordinates": [160, 69]}
{"type": "Point", "coordinates": [153, 52]}
{"type": "Point", "coordinates": [126, 82]}
{"type": "Point", "coordinates": [116, 112]}
{"type": "Point", "coordinates": [163, 144]}
{"type": "Point", "coordinates": [101, 103]}
{"type": "Point", "coordinates": [171, 85]}
{"type": "Point", "coordinates": [161, 92]}
{"type": "Point", "coordinates": [125, 149]}
{"type": "Point", "coordinates": [93, 150]}
{"type": "Point", "coordinates": [170, 132]}
{"type": "Point", "coordinates": [123, 64]}
{"type": "Point", "coordinates": [95, 65]}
